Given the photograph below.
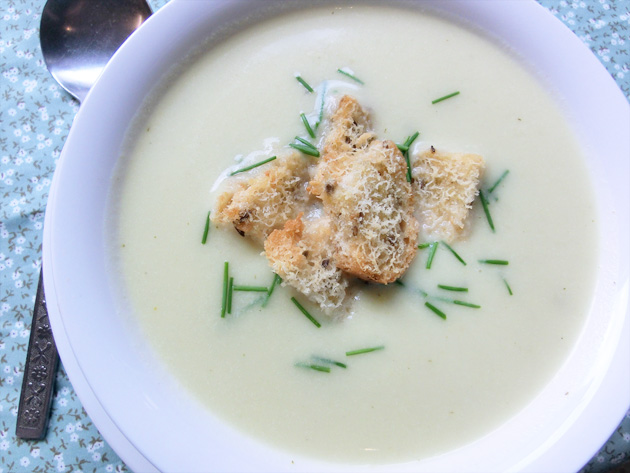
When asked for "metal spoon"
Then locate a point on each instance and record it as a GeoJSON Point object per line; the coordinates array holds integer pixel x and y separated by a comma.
{"type": "Point", "coordinates": [78, 38]}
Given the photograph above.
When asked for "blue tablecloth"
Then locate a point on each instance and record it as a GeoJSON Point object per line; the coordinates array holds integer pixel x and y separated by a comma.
{"type": "Point", "coordinates": [35, 117]}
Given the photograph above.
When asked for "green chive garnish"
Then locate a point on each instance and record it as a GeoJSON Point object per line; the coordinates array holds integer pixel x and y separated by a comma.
{"type": "Point", "coordinates": [330, 362]}
{"type": "Point", "coordinates": [230, 292]}
{"type": "Point", "coordinates": [250, 288]}
{"type": "Point", "coordinates": [486, 209]}
{"type": "Point", "coordinates": [253, 166]}
{"type": "Point", "coordinates": [404, 148]}
{"type": "Point", "coordinates": [304, 83]}
{"type": "Point", "coordinates": [423, 246]}
{"type": "Point", "coordinates": [411, 139]}
{"type": "Point", "coordinates": [508, 286]}
{"type": "Point", "coordinates": [323, 369]}
{"type": "Point", "coordinates": [204, 238]}
{"type": "Point", "coordinates": [433, 248]}
{"type": "Point", "coordinates": [452, 288]}
{"type": "Point", "coordinates": [305, 142]}
{"type": "Point", "coordinates": [351, 76]}
{"type": "Point", "coordinates": [307, 125]}
{"type": "Point", "coordinates": [226, 274]}
{"type": "Point", "coordinates": [454, 253]}
{"type": "Point", "coordinates": [467, 304]}
{"type": "Point", "coordinates": [435, 310]}
{"type": "Point", "coordinates": [364, 350]}
{"type": "Point", "coordinates": [445, 97]}
{"type": "Point", "coordinates": [501, 262]}
{"type": "Point", "coordinates": [406, 156]}
{"type": "Point", "coordinates": [311, 151]}
{"type": "Point", "coordinates": [305, 312]}
{"type": "Point", "coordinates": [321, 106]}
{"type": "Point", "coordinates": [399, 282]}
{"type": "Point", "coordinates": [276, 280]}
{"type": "Point", "coordinates": [494, 186]}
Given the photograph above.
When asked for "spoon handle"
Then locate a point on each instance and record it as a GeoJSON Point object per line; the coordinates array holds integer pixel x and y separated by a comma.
{"type": "Point", "coordinates": [39, 373]}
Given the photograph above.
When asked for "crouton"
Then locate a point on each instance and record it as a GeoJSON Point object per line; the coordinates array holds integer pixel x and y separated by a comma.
{"type": "Point", "coordinates": [446, 185]}
{"type": "Point", "coordinates": [303, 257]}
{"type": "Point", "coordinates": [370, 203]}
{"type": "Point", "coordinates": [266, 201]}
{"type": "Point", "coordinates": [348, 129]}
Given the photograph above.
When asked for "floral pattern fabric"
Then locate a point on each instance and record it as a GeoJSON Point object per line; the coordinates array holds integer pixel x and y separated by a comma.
{"type": "Point", "coordinates": [35, 118]}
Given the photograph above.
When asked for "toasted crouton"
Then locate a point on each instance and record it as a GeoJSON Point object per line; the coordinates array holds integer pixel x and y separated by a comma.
{"type": "Point", "coordinates": [446, 185]}
{"type": "Point", "coordinates": [349, 128]}
{"type": "Point", "coordinates": [266, 201]}
{"type": "Point", "coordinates": [302, 256]}
{"type": "Point", "coordinates": [370, 203]}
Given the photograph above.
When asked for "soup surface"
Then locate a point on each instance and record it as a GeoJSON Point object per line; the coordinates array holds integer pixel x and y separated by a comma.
{"type": "Point", "coordinates": [437, 384]}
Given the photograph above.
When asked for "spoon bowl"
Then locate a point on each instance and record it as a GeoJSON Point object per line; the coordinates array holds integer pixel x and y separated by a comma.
{"type": "Point", "coordinates": [79, 37]}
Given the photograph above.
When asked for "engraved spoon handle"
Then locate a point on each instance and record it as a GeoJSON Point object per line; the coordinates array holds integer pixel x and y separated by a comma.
{"type": "Point", "coordinates": [39, 373]}
{"type": "Point", "coordinates": [77, 38]}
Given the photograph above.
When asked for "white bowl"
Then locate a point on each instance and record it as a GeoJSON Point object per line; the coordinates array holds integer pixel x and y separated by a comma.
{"type": "Point", "coordinates": [155, 425]}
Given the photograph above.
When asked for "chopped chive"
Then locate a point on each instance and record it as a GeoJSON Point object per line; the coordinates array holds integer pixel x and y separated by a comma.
{"type": "Point", "coordinates": [404, 148]}
{"type": "Point", "coordinates": [364, 350]}
{"type": "Point", "coordinates": [305, 312]}
{"type": "Point", "coordinates": [276, 280]}
{"type": "Point", "coordinates": [445, 97]}
{"type": "Point", "coordinates": [435, 310]}
{"type": "Point", "coordinates": [304, 83]}
{"type": "Point", "coordinates": [321, 106]}
{"type": "Point", "coordinates": [486, 209]}
{"type": "Point", "coordinates": [508, 287]}
{"type": "Point", "coordinates": [494, 261]}
{"type": "Point", "coordinates": [399, 282]}
{"type": "Point", "coordinates": [433, 248]}
{"type": "Point", "coordinates": [253, 166]}
{"type": "Point", "coordinates": [323, 369]}
{"type": "Point", "coordinates": [305, 142]}
{"type": "Point", "coordinates": [351, 76]}
{"type": "Point", "coordinates": [452, 288]}
{"type": "Point", "coordinates": [406, 155]}
{"type": "Point", "coordinates": [422, 246]}
{"type": "Point", "coordinates": [250, 288]}
{"type": "Point", "coordinates": [226, 274]}
{"type": "Point", "coordinates": [306, 149]}
{"type": "Point", "coordinates": [330, 362]}
{"type": "Point", "coordinates": [454, 253]}
{"type": "Point", "coordinates": [411, 139]}
{"type": "Point", "coordinates": [467, 304]}
{"type": "Point", "coordinates": [494, 186]}
{"type": "Point", "coordinates": [204, 238]}
{"type": "Point", "coordinates": [307, 125]}
{"type": "Point", "coordinates": [229, 296]}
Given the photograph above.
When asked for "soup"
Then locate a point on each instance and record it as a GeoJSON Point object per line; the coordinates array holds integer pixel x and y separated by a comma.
{"type": "Point", "coordinates": [434, 384]}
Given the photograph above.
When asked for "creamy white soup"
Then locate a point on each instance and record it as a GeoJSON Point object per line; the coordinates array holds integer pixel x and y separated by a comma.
{"type": "Point", "coordinates": [437, 383]}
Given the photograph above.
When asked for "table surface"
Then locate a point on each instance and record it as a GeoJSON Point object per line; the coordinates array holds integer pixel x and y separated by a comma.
{"type": "Point", "coordinates": [35, 118]}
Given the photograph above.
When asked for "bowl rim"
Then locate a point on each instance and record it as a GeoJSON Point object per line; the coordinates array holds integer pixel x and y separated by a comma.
{"type": "Point", "coordinates": [602, 400]}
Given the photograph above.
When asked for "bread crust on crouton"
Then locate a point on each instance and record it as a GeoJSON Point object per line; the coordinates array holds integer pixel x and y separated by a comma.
{"type": "Point", "coordinates": [266, 201]}
{"type": "Point", "coordinates": [370, 203]}
{"type": "Point", "coordinates": [301, 254]}
{"type": "Point", "coordinates": [349, 128]}
{"type": "Point", "coordinates": [446, 185]}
